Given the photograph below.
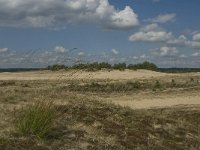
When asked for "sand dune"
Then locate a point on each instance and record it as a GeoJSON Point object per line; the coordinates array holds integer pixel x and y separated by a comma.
{"type": "Point", "coordinates": [49, 75]}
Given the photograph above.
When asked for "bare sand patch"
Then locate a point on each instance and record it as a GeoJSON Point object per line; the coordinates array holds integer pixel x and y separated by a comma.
{"type": "Point", "coordinates": [162, 100]}
{"type": "Point", "coordinates": [160, 103]}
{"type": "Point", "coordinates": [114, 75]}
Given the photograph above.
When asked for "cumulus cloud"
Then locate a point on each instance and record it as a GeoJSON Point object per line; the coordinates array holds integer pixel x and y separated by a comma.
{"type": "Point", "coordinates": [151, 36]}
{"type": "Point", "coordinates": [81, 53]}
{"type": "Point", "coordinates": [194, 44]}
{"type": "Point", "coordinates": [151, 33]}
{"type": "Point", "coordinates": [182, 56]}
{"type": "Point", "coordinates": [60, 13]}
{"type": "Point", "coordinates": [60, 49]}
{"type": "Point", "coordinates": [163, 18]}
{"type": "Point", "coordinates": [196, 54]}
{"type": "Point", "coordinates": [166, 51]}
{"type": "Point", "coordinates": [196, 37]}
{"type": "Point", "coordinates": [124, 19]}
{"type": "Point", "coordinates": [2, 50]}
{"type": "Point", "coordinates": [180, 41]}
{"type": "Point", "coordinates": [151, 27]}
{"type": "Point", "coordinates": [154, 33]}
{"type": "Point", "coordinates": [135, 57]}
{"type": "Point", "coordinates": [144, 56]}
{"type": "Point", "coordinates": [184, 41]}
{"type": "Point", "coordinates": [114, 51]}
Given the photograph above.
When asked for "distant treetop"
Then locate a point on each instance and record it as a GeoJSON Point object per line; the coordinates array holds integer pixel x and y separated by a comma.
{"type": "Point", "coordinates": [104, 65]}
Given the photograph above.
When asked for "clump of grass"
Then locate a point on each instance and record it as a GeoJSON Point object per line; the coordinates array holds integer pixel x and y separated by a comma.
{"type": "Point", "coordinates": [191, 79]}
{"type": "Point", "coordinates": [157, 85]}
{"type": "Point", "coordinates": [37, 119]}
{"type": "Point", "coordinates": [173, 83]}
{"type": "Point", "coordinates": [135, 85]}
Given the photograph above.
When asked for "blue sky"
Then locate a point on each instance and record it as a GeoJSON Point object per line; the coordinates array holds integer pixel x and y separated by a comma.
{"type": "Point", "coordinates": [37, 33]}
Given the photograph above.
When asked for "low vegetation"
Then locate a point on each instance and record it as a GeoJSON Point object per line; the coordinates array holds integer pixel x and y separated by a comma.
{"type": "Point", "coordinates": [89, 124]}
{"type": "Point", "coordinates": [131, 86]}
{"type": "Point", "coordinates": [78, 118]}
{"type": "Point", "coordinates": [98, 66]}
{"type": "Point", "coordinates": [36, 120]}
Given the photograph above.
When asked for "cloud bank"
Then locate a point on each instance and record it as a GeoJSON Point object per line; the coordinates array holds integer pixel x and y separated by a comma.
{"type": "Point", "coordinates": [60, 13]}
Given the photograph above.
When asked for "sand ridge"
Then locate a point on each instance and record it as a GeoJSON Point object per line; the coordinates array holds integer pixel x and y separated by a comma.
{"type": "Point", "coordinates": [74, 74]}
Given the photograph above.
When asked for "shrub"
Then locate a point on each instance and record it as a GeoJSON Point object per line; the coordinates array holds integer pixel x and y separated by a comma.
{"type": "Point", "coordinates": [95, 66]}
{"type": "Point", "coordinates": [56, 67]}
{"type": "Point", "coordinates": [37, 119]}
{"type": "Point", "coordinates": [145, 65]}
{"type": "Point", "coordinates": [120, 66]}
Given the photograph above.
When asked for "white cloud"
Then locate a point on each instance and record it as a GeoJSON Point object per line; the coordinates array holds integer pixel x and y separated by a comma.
{"type": "Point", "coordinates": [180, 41]}
{"type": "Point", "coordinates": [124, 19]}
{"type": "Point", "coordinates": [114, 51]}
{"type": "Point", "coordinates": [60, 49]}
{"type": "Point", "coordinates": [144, 56]}
{"type": "Point", "coordinates": [59, 13]}
{"type": "Point", "coordinates": [194, 44]}
{"type": "Point", "coordinates": [151, 33]}
{"type": "Point", "coordinates": [2, 50]}
{"type": "Point", "coordinates": [151, 27]}
{"type": "Point", "coordinates": [166, 51]}
{"type": "Point", "coordinates": [154, 33]}
{"type": "Point", "coordinates": [81, 53]}
{"type": "Point", "coordinates": [182, 56]}
{"type": "Point", "coordinates": [183, 41]}
{"type": "Point", "coordinates": [163, 18]}
{"type": "Point", "coordinates": [135, 57]}
{"type": "Point", "coordinates": [196, 54]}
{"type": "Point", "coordinates": [151, 36]}
{"type": "Point", "coordinates": [196, 37]}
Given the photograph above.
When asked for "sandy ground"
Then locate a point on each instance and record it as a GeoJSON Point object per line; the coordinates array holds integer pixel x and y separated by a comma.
{"type": "Point", "coordinates": [160, 103]}
{"type": "Point", "coordinates": [114, 75]}
{"type": "Point", "coordinates": [158, 100]}
{"type": "Point", "coordinates": [135, 101]}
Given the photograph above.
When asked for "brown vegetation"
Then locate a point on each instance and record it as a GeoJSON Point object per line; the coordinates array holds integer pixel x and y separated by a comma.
{"type": "Point", "coordinates": [86, 117]}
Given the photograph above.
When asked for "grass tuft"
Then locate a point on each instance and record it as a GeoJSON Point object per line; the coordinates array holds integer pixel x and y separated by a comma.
{"type": "Point", "coordinates": [37, 119]}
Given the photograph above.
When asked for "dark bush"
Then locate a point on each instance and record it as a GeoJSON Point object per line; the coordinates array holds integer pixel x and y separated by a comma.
{"type": "Point", "coordinates": [56, 67]}
{"type": "Point", "coordinates": [120, 66]}
{"type": "Point", "coordinates": [95, 66]}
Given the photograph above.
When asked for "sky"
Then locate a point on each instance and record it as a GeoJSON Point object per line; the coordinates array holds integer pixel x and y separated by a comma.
{"type": "Point", "coordinates": [38, 33]}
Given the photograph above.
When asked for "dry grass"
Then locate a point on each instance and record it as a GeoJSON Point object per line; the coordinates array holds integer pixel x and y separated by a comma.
{"type": "Point", "coordinates": [86, 119]}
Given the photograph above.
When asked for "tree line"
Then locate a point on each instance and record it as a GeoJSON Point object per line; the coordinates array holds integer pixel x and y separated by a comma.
{"type": "Point", "coordinates": [104, 65]}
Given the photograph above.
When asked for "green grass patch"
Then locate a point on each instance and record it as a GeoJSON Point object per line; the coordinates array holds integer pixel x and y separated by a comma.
{"type": "Point", "coordinates": [36, 119]}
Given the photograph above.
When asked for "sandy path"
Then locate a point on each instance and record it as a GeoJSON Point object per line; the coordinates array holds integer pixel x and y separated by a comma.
{"type": "Point", "coordinates": [160, 103]}
{"type": "Point", "coordinates": [158, 100]}
{"type": "Point", "coordinates": [147, 100]}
